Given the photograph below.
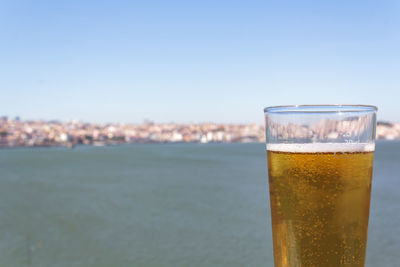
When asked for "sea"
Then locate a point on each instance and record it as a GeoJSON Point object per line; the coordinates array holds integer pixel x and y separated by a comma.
{"type": "Point", "coordinates": [160, 205]}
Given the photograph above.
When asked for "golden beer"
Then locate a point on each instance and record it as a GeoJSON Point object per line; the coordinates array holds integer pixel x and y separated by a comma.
{"type": "Point", "coordinates": [320, 198]}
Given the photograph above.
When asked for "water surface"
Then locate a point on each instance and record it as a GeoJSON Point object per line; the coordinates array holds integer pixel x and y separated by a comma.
{"type": "Point", "coordinates": [159, 205]}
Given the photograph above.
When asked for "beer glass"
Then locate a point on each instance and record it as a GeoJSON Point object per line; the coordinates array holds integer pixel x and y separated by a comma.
{"type": "Point", "coordinates": [320, 161]}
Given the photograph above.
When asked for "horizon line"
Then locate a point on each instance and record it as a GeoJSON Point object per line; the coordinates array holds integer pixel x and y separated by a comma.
{"type": "Point", "coordinates": [144, 121]}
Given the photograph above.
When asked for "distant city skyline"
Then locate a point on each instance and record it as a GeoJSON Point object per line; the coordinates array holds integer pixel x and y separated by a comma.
{"type": "Point", "coordinates": [208, 61]}
{"type": "Point", "coordinates": [20, 133]}
{"type": "Point", "coordinates": [144, 121]}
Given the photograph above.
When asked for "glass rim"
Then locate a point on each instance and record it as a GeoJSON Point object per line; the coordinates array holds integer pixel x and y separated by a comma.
{"type": "Point", "coordinates": [322, 108]}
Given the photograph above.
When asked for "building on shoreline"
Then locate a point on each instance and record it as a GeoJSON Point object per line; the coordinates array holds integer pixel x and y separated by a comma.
{"type": "Point", "coordinates": [19, 133]}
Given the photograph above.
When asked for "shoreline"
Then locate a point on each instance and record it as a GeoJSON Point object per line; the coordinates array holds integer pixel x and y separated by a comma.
{"type": "Point", "coordinates": [19, 133]}
{"type": "Point", "coordinates": [150, 143]}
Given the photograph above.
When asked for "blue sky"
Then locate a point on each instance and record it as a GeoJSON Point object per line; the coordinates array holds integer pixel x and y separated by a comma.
{"type": "Point", "coordinates": [195, 61]}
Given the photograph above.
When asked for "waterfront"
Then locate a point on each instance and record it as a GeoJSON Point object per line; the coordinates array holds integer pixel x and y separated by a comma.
{"type": "Point", "coordinates": [26, 133]}
{"type": "Point", "coordinates": [159, 205]}
{"type": "Point", "coordinates": [19, 133]}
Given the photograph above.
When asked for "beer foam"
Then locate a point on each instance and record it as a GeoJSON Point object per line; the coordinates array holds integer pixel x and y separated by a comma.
{"type": "Point", "coordinates": [322, 147]}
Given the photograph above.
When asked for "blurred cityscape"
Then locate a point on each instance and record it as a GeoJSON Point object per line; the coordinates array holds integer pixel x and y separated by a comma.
{"type": "Point", "coordinates": [19, 133]}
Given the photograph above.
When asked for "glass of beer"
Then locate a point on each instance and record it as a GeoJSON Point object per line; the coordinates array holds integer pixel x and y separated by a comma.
{"type": "Point", "coordinates": [320, 161]}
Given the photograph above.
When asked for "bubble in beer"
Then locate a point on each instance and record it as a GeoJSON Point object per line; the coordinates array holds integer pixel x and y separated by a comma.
{"type": "Point", "coordinates": [320, 194]}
